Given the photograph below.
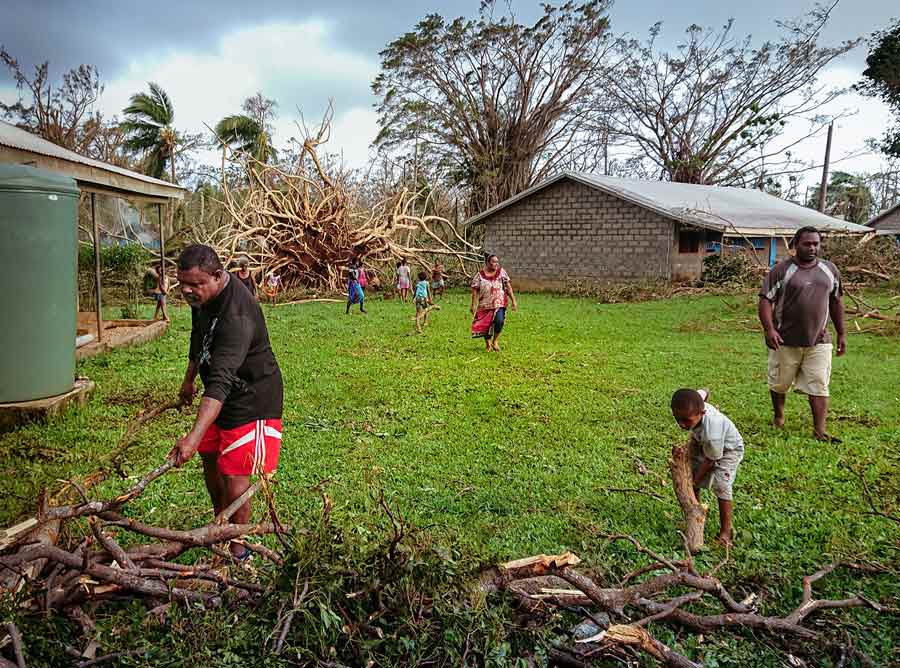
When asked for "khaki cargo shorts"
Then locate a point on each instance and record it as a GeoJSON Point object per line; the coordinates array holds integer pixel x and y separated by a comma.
{"type": "Point", "coordinates": [720, 478]}
{"type": "Point", "coordinates": [807, 369]}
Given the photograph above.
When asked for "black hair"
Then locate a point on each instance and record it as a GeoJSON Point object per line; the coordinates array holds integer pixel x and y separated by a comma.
{"type": "Point", "coordinates": [203, 257]}
{"type": "Point", "coordinates": [488, 256]}
{"type": "Point", "coordinates": [423, 276]}
{"type": "Point", "coordinates": [687, 400]}
{"type": "Point", "coordinates": [808, 229]}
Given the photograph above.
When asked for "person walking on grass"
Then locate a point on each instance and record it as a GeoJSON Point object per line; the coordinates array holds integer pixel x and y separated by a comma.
{"type": "Point", "coordinates": [403, 279]}
{"type": "Point", "coordinates": [797, 298]}
{"type": "Point", "coordinates": [491, 292]}
{"type": "Point", "coordinates": [437, 280]}
{"type": "Point", "coordinates": [363, 278]}
{"type": "Point", "coordinates": [355, 294]}
{"type": "Point", "coordinates": [273, 285]}
{"type": "Point", "coordinates": [237, 430]}
{"type": "Point", "coordinates": [244, 276]}
{"type": "Point", "coordinates": [423, 301]}
{"type": "Point", "coordinates": [159, 293]}
{"type": "Point", "coordinates": [716, 448]}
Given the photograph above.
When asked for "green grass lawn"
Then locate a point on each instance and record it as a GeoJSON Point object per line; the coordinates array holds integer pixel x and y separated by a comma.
{"type": "Point", "coordinates": [512, 454]}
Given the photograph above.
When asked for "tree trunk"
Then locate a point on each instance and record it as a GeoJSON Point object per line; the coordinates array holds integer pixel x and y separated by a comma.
{"type": "Point", "coordinates": [683, 483]}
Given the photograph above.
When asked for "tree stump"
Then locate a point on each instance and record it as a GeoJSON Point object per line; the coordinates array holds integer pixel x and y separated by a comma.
{"type": "Point", "coordinates": [683, 483]}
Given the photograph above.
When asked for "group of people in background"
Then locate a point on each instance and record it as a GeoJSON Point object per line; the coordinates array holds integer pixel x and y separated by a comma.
{"type": "Point", "coordinates": [491, 292]}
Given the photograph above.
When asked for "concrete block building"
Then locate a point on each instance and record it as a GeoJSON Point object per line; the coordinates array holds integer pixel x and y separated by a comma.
{"type": "Point", "coordinates": [887, 222]}
{"type": "Point", "coordinates": [584, 226]}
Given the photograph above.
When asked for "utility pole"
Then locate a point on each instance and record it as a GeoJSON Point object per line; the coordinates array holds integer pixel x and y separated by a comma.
{"type": "Point", "coordinates": [823, 188]}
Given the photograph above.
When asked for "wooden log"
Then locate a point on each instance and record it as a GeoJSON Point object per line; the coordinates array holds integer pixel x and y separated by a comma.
{"type": "Point", "coordinates": [683, 482]}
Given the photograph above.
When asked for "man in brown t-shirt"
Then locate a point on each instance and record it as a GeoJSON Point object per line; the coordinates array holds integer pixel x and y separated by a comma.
{"type": "Point", "coordinates": [797, 298]}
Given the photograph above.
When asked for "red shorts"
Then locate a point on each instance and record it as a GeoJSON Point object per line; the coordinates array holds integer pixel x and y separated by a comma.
{"type": "Point", "coordinates": [249, 449]}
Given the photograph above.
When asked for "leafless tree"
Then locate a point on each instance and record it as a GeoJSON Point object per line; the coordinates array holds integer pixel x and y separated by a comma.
{"type": "Point", "coordinates": [495, 105]}
{"type": "Point", "coordinates": [62, 113]}
{"type": "Point", "coordinates": [714, 110]}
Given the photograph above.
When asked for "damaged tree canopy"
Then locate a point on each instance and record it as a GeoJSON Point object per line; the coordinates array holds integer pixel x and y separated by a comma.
{"type": "Point", "coordinates": [306, 223]}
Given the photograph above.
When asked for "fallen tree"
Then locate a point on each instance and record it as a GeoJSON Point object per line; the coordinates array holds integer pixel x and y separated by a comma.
{"type": "Point", "coordinates": [306, 223]}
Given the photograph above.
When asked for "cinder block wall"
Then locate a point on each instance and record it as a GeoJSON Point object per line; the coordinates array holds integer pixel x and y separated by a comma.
{"type": "Point", "coordinates": [891, 222]}
{"type": "Point", "coordinates": [571, 231]}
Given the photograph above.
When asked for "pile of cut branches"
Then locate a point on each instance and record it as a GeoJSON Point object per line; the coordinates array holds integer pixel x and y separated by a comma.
{"type": "Point", "coordinates": [869, 260]}
{"type": "Point", "coordinates": [615, 618]}
{"type": "Point", "coordinates": [306, 224]}
{"type": "Point", "coordinates": [94, 565]}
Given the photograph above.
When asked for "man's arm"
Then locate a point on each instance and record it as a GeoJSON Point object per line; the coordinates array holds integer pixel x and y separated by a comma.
{"type": "Point", "coordinates": [766, 318]}
{"type": "Point", "coordinates": [231, 345]}
{"type": "Point", "coordinates": [836, 308]}
{"type": "Point", "coordinates": [186, 446]}
{"type": "Point", "coordinates": [186, 394]}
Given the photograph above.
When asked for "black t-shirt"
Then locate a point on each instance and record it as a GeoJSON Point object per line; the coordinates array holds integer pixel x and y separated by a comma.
{"type": "Point", "coordinates": [248, 282]}
{"type": "Point", "coordinates": [230, 343]}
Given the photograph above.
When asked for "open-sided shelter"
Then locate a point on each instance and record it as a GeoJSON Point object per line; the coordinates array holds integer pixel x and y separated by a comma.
{"type": "Point", "coordinates": [18, 146]}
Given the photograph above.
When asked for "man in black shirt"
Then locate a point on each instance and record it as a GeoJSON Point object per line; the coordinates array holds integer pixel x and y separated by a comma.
{"type": "Point", "coordinates": [238, 427]}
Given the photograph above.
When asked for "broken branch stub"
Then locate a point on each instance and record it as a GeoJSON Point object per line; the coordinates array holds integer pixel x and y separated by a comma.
{"type": "Point", "coordinates": [683, 482]}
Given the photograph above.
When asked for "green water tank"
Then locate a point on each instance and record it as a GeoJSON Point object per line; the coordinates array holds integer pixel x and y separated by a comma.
{"type": "Point", "coordinates": [38, 247]}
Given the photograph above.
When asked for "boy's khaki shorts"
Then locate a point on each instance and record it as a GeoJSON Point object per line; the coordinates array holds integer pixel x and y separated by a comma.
{"type": "Point", "coordinates": [807, 369]}
{"type": "Point", "coordinates": [720, 480]}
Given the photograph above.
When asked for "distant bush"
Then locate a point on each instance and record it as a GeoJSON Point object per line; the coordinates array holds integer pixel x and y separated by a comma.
{"type": "Point", "coordinates": [122, 270]}
{"type": "Point", "coordinates": [729, 269]}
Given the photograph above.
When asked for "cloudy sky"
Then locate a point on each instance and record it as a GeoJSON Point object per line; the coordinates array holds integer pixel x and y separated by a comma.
{"type": "Point", "coordinates": [210, 56]}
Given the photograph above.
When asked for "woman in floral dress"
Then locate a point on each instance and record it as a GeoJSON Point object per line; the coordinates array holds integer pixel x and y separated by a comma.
{"type": "Point", "coordinates": [491, 292]}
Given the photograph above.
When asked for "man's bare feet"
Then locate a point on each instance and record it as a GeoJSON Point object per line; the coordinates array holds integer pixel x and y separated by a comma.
{"type": "Point", "coordinates": [725, 540]}
{"type": "Point", "coordinates": [778, 423]}
{"type": "Point", "coordinates": [826, 438]}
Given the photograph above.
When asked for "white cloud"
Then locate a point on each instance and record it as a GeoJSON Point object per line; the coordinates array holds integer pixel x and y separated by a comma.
{"type": "Point", "coordinates": [866, 118]}
{"type": "Point", "coordinates": [297, 64]}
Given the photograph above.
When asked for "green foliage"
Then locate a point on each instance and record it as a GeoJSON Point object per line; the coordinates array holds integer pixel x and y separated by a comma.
{"type": "Point", "coordinates": [881, 80]}
{"type": "Point", "coordinates": [728, 269]}
{"type": "Point", "coordinates": [122, 271]}
{"type": "Point", "coordinates": [117, 260]}
{"type": "Point", "coordinates": [245, 134]}
{"type": "Point", "coordinates": [847, 195]}
{"type": "Point", "coordinates": [149, 129]}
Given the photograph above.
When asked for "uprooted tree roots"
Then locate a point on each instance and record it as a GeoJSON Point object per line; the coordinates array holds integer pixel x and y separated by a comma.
{"type": "Point", "coordinates": [307, 223]}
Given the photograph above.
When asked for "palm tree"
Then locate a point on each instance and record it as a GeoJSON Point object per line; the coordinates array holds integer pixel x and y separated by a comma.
{"type": "Point", "coordinates": [245, 134]}
{"type": "Point", "coordinates": [149, 129]}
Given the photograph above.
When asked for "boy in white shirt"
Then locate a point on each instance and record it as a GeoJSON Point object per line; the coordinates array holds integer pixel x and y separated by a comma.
{"type": "Point", "coordinates": [717, 449]}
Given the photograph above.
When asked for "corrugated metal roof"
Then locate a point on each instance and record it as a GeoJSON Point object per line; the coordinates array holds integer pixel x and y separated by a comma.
{"type": "Point", "coordinates": [722, 208]}
{"type": "Point", "coordinates": [105, 174]}
{"type": "Point", "coordinates": [878, 221]}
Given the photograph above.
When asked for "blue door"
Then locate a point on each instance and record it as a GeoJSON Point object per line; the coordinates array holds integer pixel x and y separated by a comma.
{"type": "Point", "coordinates": [773, 250]}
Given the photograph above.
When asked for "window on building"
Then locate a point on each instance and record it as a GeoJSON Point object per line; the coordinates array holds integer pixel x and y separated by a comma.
{"type": "Point", "coordinates": [758, 242]}
{"type": "Point", "coordinates": [688, 241]}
